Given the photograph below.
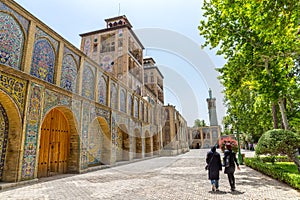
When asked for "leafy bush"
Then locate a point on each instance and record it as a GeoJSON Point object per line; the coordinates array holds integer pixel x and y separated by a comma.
{"type": "Point", "coordinates": [273, 159]}
{"type": "Point", "coordinates": [283, 171]}
{"type": "Point", "coordinates": [278, 142]}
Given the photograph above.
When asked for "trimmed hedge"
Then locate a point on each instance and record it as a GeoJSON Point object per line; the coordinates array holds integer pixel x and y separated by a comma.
{"type": "Point", "coordinates": [283, 171]}
{"type": "Point", "coordinates": [273, 159]}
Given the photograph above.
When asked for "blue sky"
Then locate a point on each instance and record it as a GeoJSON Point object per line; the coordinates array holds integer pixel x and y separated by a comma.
{"type": "Point", "coordinates": [167, 29]}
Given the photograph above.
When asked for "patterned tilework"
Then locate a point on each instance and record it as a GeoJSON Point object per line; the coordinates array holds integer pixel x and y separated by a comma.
{"type": "Point", "coordinates": [11, 41]}
{"type": "Point", "coordinates": [24, 22]}
{"type": "Point", "coordinates": [129, 102]}
{"type": "Point", "coordinates": [3, 137]}
{"type": "Point", "coordinates": [41, 34]}
{"type": "Point", "coordinates": [113, 96]}
{"type": "Point", "coordinates": [69, 73]}
{"type": "Point", "coordinates": [95, 134]}
{"type": "Point", "coordinates": [142, 110]}
{"type": "Point", "coordinates": [88, 83]}
{"type": "Point", "coordinates": [114, 132]}
{"type": "Point", "coordinates": [123, 120]}
{"type": "Point", "coordinates": [84, 135]}
{"type": "Point", "coordinates": [107, 61]}
{"type": "Point", "coordinates": [76, 109]}
{"type": "Point", "coordinates": [43, 60]}
{"type": "Point", "coordinates": [53, 99]}
{"type": "Point", "coordinates": [99, 112]}
{"type": "Point", "coordinates": [102, 90]}
{"type": "Point", "coordinates": [95, 142]}
{"type": "Point", "coordinates": [136, 107]}
{"type": "Point", "coordinates": [32, 129]}
{"type": "Point", "coordinates": [123, 100]}
{"type": "Point", "coordinates": [87, 46]}
{"type": "Point", "coordinates": [75, 56]}
{"type": "Point", "coordinates": [15, 88]}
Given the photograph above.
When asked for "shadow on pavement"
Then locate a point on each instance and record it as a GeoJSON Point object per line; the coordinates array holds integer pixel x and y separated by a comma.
{"type": "Point", "coordinates": [218, 192]}
{"type": "Point", "coordinates": [236, 192]}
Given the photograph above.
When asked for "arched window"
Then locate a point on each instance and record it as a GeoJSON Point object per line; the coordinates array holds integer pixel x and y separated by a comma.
{"type": "Point", "coordinates": [68, 73]}
{"type": "Point", "coordinates": [129, 102]}
{"type": "Point", "coordinates": [136, 108]}
{"type": "Point", "coordinates": [11, 41]}
{"type": "Point", "coordinates": [43, 60]}
{"type": "Point", "coordinates": [102, 90]}
{"type": "Point", "coordinates": [88, 86]}
{"type": "Point", "coordinates": [123, 101]}
{"type": "Point", "coordinates": [113, 96]}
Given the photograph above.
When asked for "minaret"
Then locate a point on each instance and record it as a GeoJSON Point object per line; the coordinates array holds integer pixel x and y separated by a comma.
{"type": "Point", "coordinates": [211, 102]}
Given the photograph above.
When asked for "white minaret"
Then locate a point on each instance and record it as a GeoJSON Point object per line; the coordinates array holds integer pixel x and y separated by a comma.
{"type": "Point", "coordinates": [212, 111]}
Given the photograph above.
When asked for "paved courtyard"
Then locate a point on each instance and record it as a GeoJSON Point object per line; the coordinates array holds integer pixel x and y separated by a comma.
{"type": "Point", "coordinates": [180, 177]}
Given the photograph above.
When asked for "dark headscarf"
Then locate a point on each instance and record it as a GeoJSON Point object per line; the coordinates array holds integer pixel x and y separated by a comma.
{"type": "Point", "coordinates": [213, 149]}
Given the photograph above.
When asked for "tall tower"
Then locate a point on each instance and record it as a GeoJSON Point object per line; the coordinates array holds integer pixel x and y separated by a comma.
{"type": "Point", "coordinates": [117, 50]}
{"type": "Point", "coordinates": [211, 102]}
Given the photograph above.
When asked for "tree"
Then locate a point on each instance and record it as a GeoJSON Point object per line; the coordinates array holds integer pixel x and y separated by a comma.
{"type": "Point", "coordinates": [278, 141]}
{"type": "Point", "coordinates": [199, 123]}
{"type": "Point", "coordinates": [260, 41]}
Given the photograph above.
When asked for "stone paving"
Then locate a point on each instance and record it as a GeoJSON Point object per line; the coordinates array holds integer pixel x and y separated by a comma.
{"type": "Point", "coordinates": [179, 177]}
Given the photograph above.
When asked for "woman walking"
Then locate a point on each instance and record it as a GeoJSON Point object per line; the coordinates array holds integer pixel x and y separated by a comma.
{"type": "Point", "coordinates": [213, 161]}
{"type": "Point", "coordinates": [230, 161]}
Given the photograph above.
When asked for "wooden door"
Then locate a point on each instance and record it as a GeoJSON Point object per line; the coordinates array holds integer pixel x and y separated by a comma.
{"type": "Point", "coordinates": [54, 144]}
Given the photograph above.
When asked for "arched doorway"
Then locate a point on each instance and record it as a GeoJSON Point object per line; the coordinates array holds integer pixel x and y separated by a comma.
{"type": "Point", "coordinates": [54, 148]}
{"type": "Point", "coordinates": [99, 142]}
{"type": "Point", "coordinates": [123, 143]}
{"type": "Point", "coordinates": [10, 139]}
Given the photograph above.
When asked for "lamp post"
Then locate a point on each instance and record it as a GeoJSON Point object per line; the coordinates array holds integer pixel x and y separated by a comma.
{"type": "Point", "coordinates": [240, 159]}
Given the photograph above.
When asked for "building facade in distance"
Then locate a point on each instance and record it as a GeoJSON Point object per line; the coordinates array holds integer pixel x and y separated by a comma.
{"type": "Point", "coordinates": [207, 136]}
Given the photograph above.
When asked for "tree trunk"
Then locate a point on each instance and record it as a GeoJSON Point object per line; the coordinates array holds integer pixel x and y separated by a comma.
{"type": "Point", "coordinates": [283, 115]}
{"type": "Point", "coordinates": [274, 114]}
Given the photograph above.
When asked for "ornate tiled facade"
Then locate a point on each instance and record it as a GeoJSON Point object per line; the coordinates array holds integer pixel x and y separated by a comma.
{"type": "Point", "coordinates": [32, 129]}
{"type": "Point", "coordinates": [69, 73]}
{"type": "Point", "coordinates": [11, 41]}
{"type": "Point", "coordinates": [43, 60]}
{"type": "Point", "coordinates": [15, 88]}
{"type": "Point", "coordinates": [88, 82]}
{"type": "Point", "coordinates": [63, 110]}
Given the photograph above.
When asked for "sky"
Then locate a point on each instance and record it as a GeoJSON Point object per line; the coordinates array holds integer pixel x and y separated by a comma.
{"type": "Point", "coordinates": [168, 31]}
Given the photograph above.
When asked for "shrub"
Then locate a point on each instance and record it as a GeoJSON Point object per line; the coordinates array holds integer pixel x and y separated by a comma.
{"type": "Point", "coordinates": [278, 142]}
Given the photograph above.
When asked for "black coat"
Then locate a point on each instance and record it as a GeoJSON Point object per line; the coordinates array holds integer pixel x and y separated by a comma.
{"type": "Point", "coordinates": [232, 161]}
{"type": "Point", "coordinates": [215, 165]}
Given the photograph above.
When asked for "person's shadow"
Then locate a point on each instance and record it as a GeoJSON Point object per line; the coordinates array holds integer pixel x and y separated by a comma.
{"type": "Point", "coordinates": [236, 192]}
{"type": "Point", "coordinates": [218, 192]}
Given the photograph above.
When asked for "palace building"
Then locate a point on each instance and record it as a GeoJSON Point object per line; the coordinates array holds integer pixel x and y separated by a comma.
{"type": "Point", "coordinates": [70, 110]}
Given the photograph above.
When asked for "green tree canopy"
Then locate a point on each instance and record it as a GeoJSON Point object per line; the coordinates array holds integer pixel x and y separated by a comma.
{"type": "Point", "coordinates": [260, 40]}
{"type": "Point", "coordinates": [199, 123]}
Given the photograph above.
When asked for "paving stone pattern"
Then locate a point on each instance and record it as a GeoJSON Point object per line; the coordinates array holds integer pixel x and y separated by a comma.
{"type": "Point", "coordinates": [162, 178]}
